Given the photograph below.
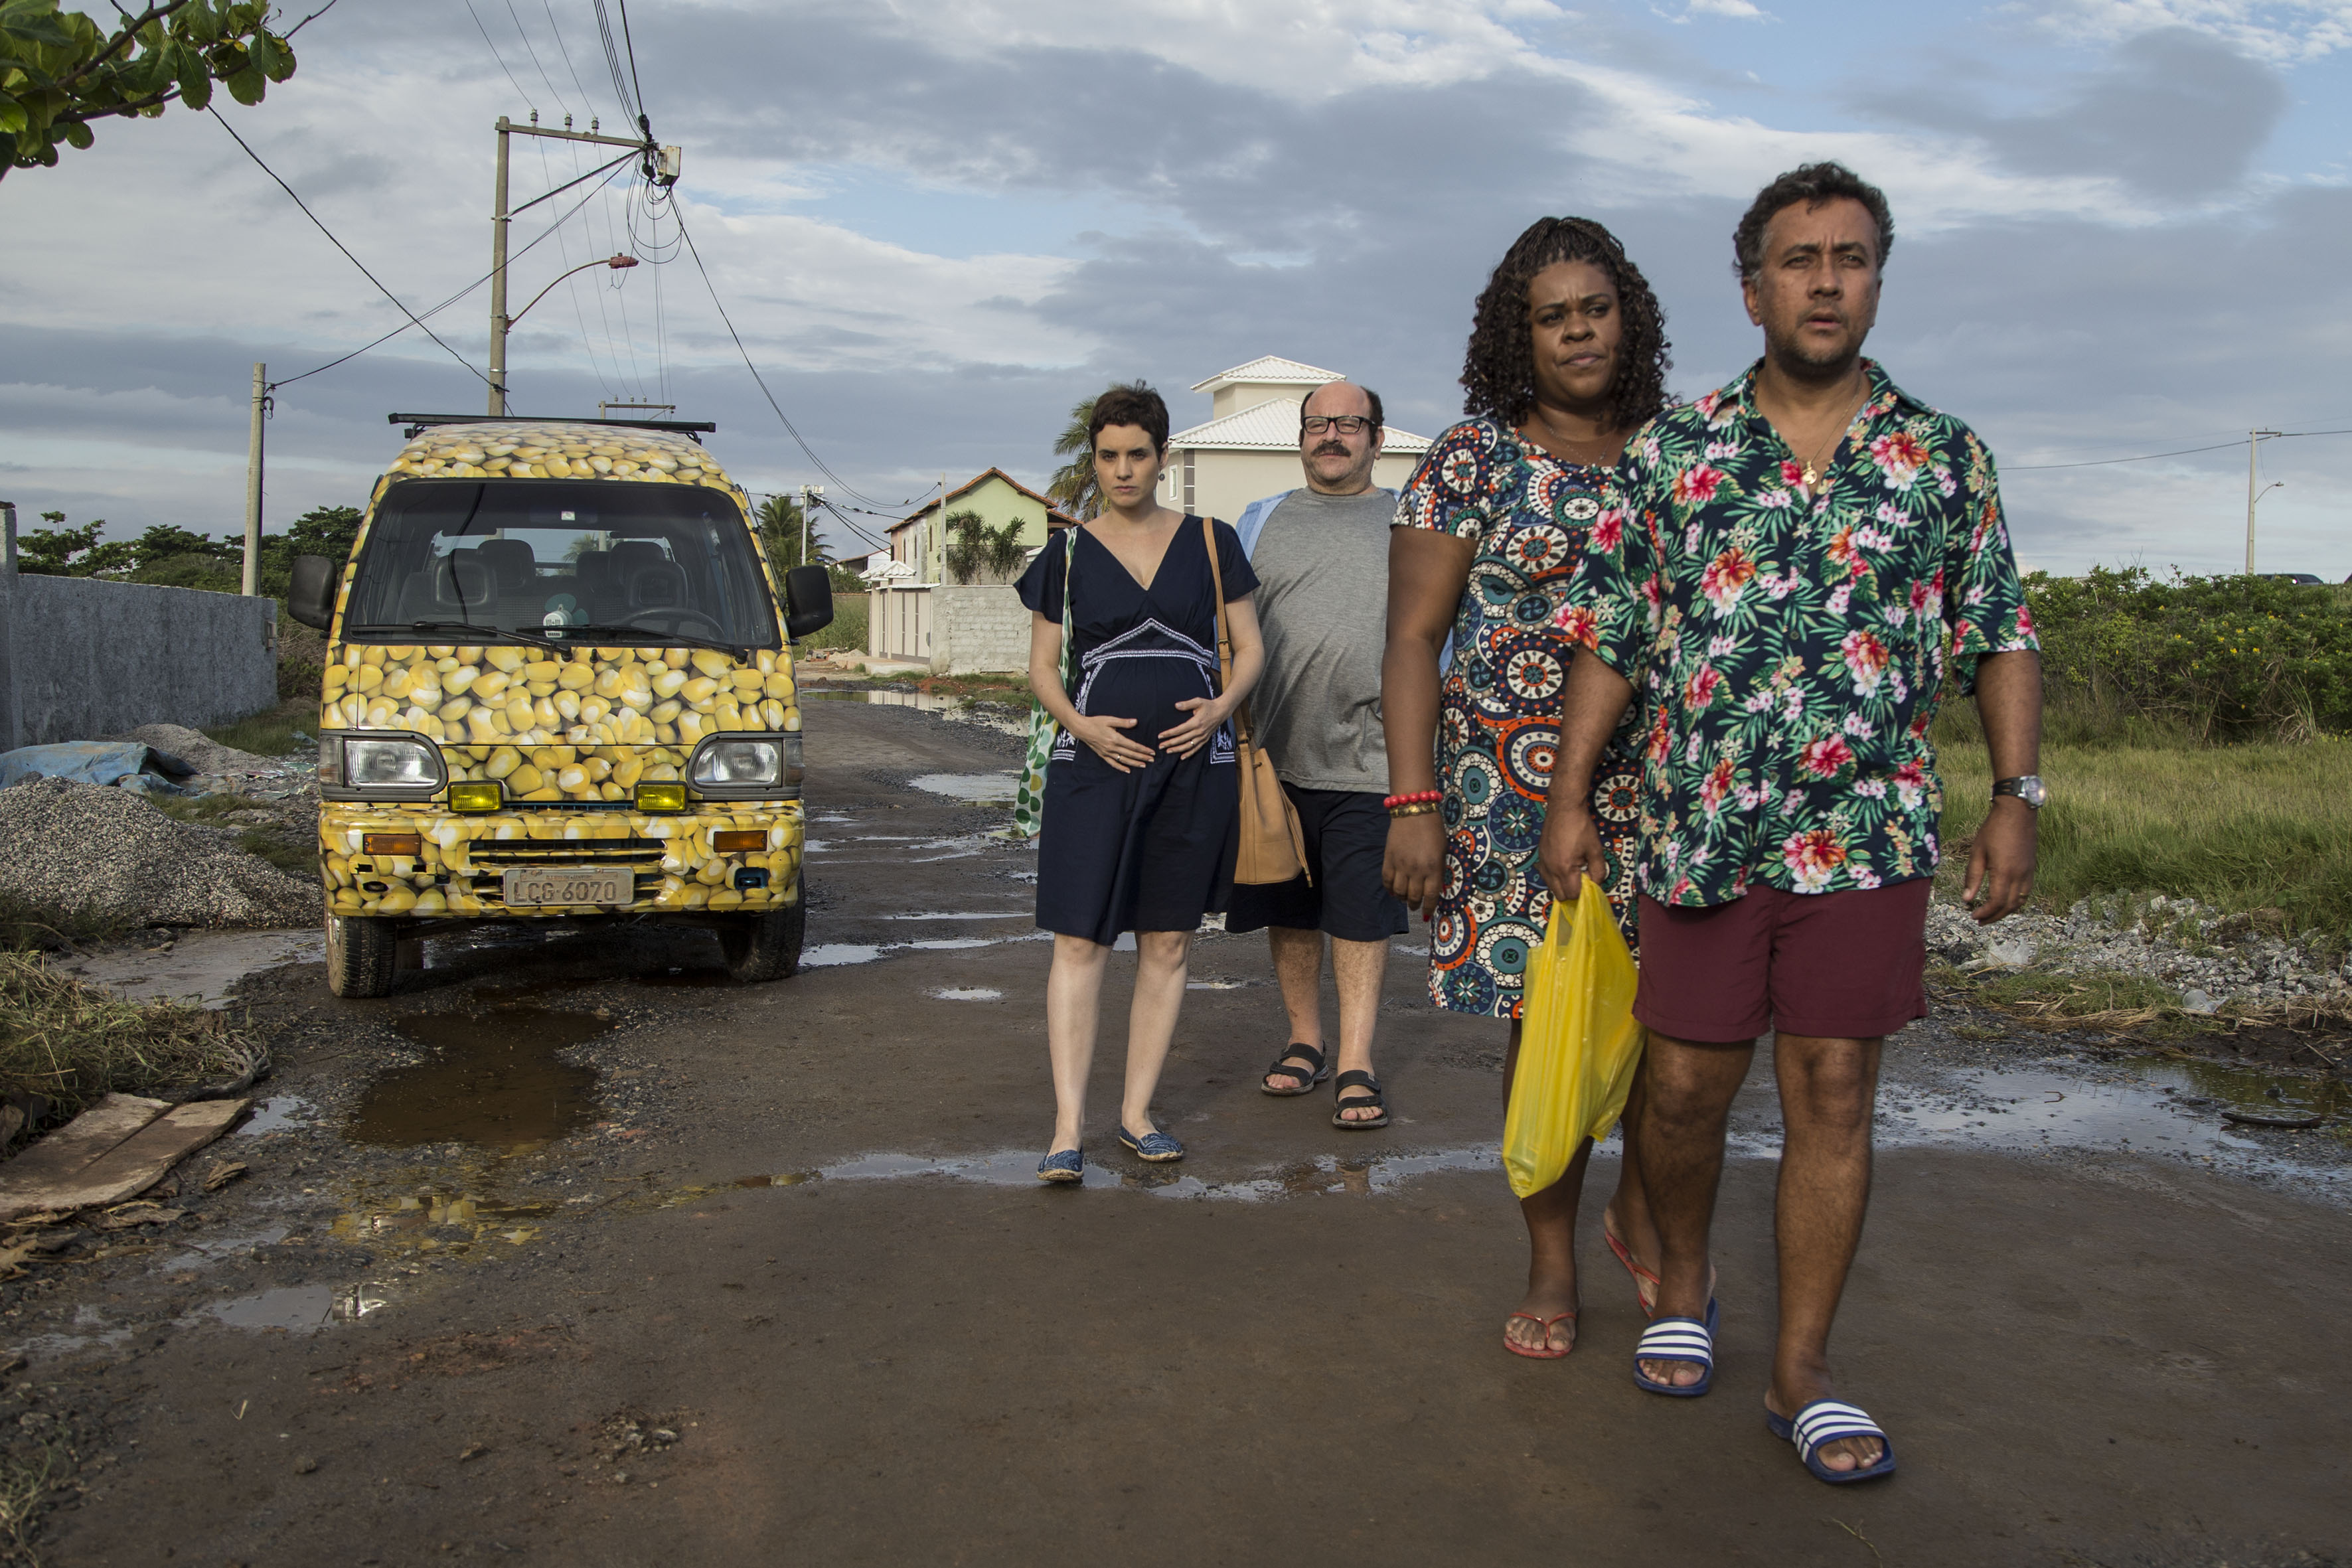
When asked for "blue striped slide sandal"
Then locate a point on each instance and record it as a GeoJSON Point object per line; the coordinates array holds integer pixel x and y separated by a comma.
{"type": "Point", "coordinates": [1826, 1421]}
{"type": "Point", "coordinates": [1678, 1338]}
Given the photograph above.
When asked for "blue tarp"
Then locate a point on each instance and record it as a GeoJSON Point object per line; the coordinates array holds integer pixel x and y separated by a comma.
{"type": "Point", "coordinates": [129, 763]}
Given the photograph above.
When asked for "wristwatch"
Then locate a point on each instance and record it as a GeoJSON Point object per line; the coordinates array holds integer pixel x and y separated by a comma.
{"type": "Point", "coordinates": [2027, 787]}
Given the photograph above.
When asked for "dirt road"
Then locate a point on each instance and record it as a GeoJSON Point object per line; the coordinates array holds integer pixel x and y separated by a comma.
{"type": "Point", "coordinates": [566, 1255]}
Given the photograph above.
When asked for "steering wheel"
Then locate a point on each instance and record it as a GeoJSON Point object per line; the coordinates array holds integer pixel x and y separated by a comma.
{"type": "Point", "coordinates": [675, 613]}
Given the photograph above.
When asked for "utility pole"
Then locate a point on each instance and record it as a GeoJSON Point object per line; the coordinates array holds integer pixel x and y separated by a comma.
{"type": "Point", "coordinates": [252, 579]}
{"type": "Point", "coordinates": [810, 496]}
{"type": "Point", "coordinates": [2254, 445]}
{"type": "Point", "coordinates": [662, 165]}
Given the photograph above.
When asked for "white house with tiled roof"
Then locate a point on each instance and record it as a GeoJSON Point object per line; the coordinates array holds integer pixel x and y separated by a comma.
{"type": "Point", "coordinates": [1249, 446]}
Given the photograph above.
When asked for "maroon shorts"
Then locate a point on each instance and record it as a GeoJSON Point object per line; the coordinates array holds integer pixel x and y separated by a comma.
{"type": "Point", "coordinates": [1844, 966]}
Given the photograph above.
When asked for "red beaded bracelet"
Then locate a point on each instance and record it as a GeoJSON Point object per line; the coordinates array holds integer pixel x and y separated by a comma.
{"type": "Point", "coordinates": [1417, 798]}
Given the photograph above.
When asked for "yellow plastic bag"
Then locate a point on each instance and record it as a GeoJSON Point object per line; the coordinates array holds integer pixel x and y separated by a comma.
{"type": "Point", "coordinates": [1579, 1044]}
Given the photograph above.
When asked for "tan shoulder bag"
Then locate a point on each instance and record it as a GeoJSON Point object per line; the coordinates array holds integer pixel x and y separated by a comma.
{"type": "Point", "coordinates": [1273, 847]}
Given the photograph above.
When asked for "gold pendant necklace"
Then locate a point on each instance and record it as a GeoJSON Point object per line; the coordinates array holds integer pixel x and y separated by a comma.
{"type": "Point", "coordinates": [1813, 475]}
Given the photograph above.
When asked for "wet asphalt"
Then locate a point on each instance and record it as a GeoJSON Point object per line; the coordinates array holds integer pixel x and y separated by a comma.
{"type": "Point", "coordinates": [570, 1252]}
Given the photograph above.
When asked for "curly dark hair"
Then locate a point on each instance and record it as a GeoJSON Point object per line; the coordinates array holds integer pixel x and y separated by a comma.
{"type": "Point", "coordinates": [1812, 184]}
{"type": "Point", "coordinates": [1131, 403]}
{"type": "Point", "coordinates": [1498, 368]}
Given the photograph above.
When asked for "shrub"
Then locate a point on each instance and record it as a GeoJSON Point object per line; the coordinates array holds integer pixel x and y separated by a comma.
{"type": "Point", "coordinates": [2215, 658]}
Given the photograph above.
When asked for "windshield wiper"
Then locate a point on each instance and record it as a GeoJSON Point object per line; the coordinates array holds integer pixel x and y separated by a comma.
{"type": "Point", "coordinates": [484, 634]}
{"type": "Point", "coordinates": [739, 652]}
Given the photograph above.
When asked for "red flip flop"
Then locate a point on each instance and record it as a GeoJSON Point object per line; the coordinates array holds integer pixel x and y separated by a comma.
{"type": "Point", "coordinates": [1545, 1323]}
{"type": "Point", "coordinates": [1646, 1282]}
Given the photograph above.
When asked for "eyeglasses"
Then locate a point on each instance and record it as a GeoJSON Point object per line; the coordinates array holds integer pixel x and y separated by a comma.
{"type": "Point", "coordinates": [1349, 424]}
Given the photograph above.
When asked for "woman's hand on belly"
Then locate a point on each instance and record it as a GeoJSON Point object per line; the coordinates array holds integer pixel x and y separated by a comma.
{"type": "Point", "coordinates": [1103, 737]}
{"type": "Point", "coordinates": [1202, 716]}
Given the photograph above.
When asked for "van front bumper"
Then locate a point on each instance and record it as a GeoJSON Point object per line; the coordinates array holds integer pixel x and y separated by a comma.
{"type": "Point", "coordinates": [674, 866]}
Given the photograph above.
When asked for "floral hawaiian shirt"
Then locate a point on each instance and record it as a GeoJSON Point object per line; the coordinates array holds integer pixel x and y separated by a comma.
{"type": "Point", "coordinates": [1790, 646]}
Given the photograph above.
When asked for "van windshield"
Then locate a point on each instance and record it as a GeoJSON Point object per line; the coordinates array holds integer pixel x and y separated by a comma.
{"type": "Point", "coordinates": [595, 560]}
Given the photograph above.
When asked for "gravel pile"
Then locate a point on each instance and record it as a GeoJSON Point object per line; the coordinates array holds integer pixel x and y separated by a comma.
{"type": "Point", "coordinates": [86, 849]}
{"type": "Point", "coordinates": [2209, 957]}
{"type": "Point", "coordinates": [199, 751]}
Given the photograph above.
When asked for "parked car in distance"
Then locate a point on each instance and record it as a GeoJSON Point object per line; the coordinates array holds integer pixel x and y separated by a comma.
{"type": "Point", "coordinates": [2297, 578]}
{"type": "Point", "coordinates": [559, 687]}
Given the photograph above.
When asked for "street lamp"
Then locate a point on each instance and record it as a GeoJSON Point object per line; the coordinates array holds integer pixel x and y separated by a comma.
{"type": "Point", "coordinates": [615, 262]}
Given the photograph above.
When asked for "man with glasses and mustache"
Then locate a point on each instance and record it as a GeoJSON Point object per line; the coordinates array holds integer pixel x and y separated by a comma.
{"type": "Point", "coordinates": [1321, 554]}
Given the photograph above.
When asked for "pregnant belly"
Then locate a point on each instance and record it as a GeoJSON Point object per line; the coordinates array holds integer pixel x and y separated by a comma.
{"type": "Point", "coordinates": [1145, 690]}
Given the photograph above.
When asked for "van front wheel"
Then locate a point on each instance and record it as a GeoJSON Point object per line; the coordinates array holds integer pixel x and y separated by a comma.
{"type": "Point", "coordinates": [362, 954]}
{"type": "Point", "coordinates": [764, 947]}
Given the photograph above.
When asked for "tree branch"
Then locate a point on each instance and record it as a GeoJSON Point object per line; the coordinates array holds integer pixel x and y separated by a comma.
{"type": "Point", "coordinates": [156, 12]}
{"type": "Point", "coordinates": [83, 117]}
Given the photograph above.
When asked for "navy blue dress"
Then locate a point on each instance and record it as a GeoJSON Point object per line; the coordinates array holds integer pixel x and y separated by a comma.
{"type": "Point", "coordinates": [1151, 850]}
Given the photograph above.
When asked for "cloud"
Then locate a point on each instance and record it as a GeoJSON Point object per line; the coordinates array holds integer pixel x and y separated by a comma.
{"type": "Point", "coordinates": [2277, 30]}
{"type": "Point", "coordinates": [2176, 115]}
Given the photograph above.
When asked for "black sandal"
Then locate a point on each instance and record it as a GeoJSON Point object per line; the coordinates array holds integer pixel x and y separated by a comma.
{"type": "Point", "coordinates": [1355, 1077]}
{"type": "Point", "coordinates": [1281, 1065]}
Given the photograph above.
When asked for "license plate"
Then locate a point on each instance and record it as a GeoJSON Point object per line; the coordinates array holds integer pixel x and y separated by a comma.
{"type": "Point", "coordinates": [561, 885]}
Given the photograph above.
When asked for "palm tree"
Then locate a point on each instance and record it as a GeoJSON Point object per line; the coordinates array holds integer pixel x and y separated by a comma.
{"type": "Point", "coordinates": [781, 526]}
{"type": "Point", "coordinates": [1072, 488]}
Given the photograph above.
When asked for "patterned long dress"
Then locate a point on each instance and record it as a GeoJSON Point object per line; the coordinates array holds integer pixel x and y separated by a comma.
{"type": "Point", "coordinates": [1527, 515]}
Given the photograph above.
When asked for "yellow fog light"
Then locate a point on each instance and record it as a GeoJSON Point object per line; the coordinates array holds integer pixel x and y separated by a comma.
{"type": "Point", "coordinates": [476, 797]}
{"type": "Point", "coordinates": [393, 843]}
{"type": "Point", "coordinates": [739, 840]}
{"type": "Point", "coordinates": [661, 797]}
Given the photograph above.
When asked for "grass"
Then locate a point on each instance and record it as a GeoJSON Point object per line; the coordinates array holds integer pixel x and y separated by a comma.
{"type": "Point", "coordinates": [296, 853]}
{"type": "Point", "coordinates": [2248, 827]}
{"type": "Point", "coordinates": [71, 1043]}
{"type": "Point", "coordinates": [847, 629]}
{"type": "Point", "coordinates": [275, 733]}
{"type": "Point", "coordinates": [1006, 688]}
{"type": "Point", "coordinates": [26, 925]}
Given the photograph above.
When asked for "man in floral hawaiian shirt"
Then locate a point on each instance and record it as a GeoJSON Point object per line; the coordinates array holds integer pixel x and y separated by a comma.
{"type": "Point", "coordinates": [1800, 564]}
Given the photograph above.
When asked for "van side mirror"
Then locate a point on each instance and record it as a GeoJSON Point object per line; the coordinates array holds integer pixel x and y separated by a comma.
{"type": "Point", "coordinates": [310, 598]}
{"type": "Point", "coordinates": [808, 601]}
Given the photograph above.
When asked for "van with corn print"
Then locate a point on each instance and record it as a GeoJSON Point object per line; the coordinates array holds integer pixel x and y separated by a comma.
{"type": "Point", "coordinates": [559, 686]}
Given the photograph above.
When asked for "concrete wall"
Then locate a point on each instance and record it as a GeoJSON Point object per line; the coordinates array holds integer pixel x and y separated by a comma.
{"type": "Point", "coordinates": [979, 629]}
{"type": "Point", "coordinates": [81, 657]}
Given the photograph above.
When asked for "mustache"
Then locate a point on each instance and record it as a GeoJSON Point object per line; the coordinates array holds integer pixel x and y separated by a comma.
{"type": "Point", "coordinates": [1331, 449]}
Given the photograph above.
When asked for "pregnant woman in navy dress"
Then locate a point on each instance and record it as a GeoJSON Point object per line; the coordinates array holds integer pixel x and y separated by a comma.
{"type": "Point", "coordinates": [1142, 800]}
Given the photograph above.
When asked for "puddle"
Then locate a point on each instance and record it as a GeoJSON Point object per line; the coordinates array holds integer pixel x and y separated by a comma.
{"type": "Point", "coordinates": [453, 1224]}
{"type": "Point", "coordinates": [276, 1114]}
{"type": "Point", "coordinates": [973, 789]}
{"type": "Point", "coordinates": [990, 717]}
{"type": "Point", "coordinates": [970, 993]}
{"type": "Point", "coordinates": [212, 1250]}
{"type": "Point", "coordinates": [1326, 1175]}
{"type": "Point", "coordinates": [2159, 1106]}
{"type": "Point", "coordinates": [296, 1309]}
{"type": "Point", "coordinates": [202, 965]}
{"type": "Point", "coordinates": [88, 1332]}
{"type": "Point", "coordinates": [1216, 984]}
{"type": "Point", "coordinates": [996, 915]}
{"type": "Point", "coordinates": [826, 955]}
{"type": "Point", "coordinates": [494, 1078]}
{"type": "Point", "coordinates": [680, 976]}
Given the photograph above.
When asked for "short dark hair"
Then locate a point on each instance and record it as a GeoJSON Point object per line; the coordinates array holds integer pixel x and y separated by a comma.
{"type": "Point", "coordinates": [1499, 370]}
{"type": "Point", "coordinates": [1813, 184]}
{"type": "Point", "coordinates": [1130, 404]}
{"type": "Point", "coordinates": [1369, 396]}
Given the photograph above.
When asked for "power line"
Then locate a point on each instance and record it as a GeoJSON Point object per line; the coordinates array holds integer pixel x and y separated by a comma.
{"type": "Point", "coordinates": [2151, 457]}
{"type": "Point", "coordinates": [497, 57]}
{"type": "Point", "coordinates": [695, 251]}
{"type": "Point", "coordinates": [413, 319]}
{"type": "Point", "coordinates": [461, 293]}
{"type": "Point", "coordinates": [631, 45]}
{"type": "Point", "coordinates": [612, 59]}
{"type": "Point", "coordinates": [534, 53]}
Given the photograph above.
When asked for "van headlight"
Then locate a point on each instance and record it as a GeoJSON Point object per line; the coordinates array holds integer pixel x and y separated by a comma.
{"type": "Point", "coordinates": [766, 767]}
{"type": "Point", "coordinates": [379, 767]}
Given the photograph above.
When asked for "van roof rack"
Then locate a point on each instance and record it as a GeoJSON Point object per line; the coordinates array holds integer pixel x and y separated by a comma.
{"type": "Point", "coordinates": [417, 423]}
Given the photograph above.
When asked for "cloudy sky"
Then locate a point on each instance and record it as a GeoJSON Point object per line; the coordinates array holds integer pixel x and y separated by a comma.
{"type": "Point", "coordinates": [2122, 230]}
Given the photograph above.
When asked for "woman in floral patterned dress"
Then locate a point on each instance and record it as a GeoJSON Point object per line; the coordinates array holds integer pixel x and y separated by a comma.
{"type": "Point", "coordinates": [1568, 357]}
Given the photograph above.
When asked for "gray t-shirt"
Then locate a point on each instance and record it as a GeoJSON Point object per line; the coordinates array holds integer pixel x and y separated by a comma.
{"type": "Point", "coordinates": [1322, 565]}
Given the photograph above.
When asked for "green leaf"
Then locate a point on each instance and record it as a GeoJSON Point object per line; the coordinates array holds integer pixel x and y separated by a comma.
{"type": "Point", "coordinates": [35, 26]}
{"type": "Point", "coordinates": [197, 23]}
{"type": "Point", "coordinates": [78, 135]}
{"type": "Point", "coordinates": [195, 81]}
{"type": "Point", "coordinates": [12, 117]}
{"type": "Point", "coordinates": [271, 55]}
{"type": "Point", "coordinates": [246, 85]}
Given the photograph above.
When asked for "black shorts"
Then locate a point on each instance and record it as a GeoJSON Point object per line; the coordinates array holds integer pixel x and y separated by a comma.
{"type": "Point", "coordinates": [1347, 833]}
